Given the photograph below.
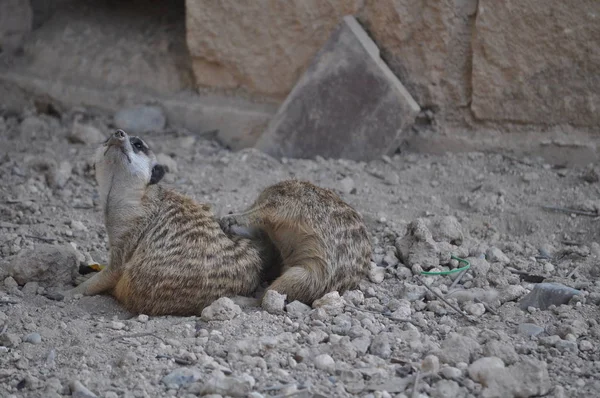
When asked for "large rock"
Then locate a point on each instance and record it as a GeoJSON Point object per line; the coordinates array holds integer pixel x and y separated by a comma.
{"type": "Point", "coordinates": [348, 104]}
{"type": "Point", "coordinates": [16, 20]}
{"type": "Point", "coordinates": [537, 61]}
{"type": "Point", "coordinates": [546, 294]}
{"type": "Point", "coordinates": [50, 265]}
{"type": "Point", "coordinates": [417, 246]}
{"type": "Point", "coordinates": [261, 46]}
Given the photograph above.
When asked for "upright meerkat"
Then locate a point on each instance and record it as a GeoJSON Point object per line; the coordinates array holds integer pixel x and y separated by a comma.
{"type": "Point", "coordinates": [168, 254]}
{"type": "Point", "coordinates": [322, 241]}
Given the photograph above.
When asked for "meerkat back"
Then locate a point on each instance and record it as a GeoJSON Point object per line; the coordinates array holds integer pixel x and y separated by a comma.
{"type": "Point", "coordinates": [322, 241]}
{"type": "Point", "coordinates": [183, 261]}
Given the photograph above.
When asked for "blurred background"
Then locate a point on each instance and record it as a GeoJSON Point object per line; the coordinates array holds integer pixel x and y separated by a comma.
{"type": "Point", "coordinates": [483, 75]}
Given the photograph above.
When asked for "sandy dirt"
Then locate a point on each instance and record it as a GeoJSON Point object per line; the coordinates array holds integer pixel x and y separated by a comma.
{"type": "Point", "coordinates": [392, 338]}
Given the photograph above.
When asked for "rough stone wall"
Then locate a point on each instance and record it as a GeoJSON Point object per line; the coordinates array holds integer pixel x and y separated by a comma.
{"type": "Point", "coordinates": [537, 61]}
{"type": "Point", "coordinates": [15, 24]}
{"type": "Point", "coordinates": [262, 46]}
{"type": "Point", "coordinates": [124, 45]}
{"type": "Point", "coordinates": [534, 62]}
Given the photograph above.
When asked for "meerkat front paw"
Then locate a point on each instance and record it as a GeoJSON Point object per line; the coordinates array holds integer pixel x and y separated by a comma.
{"type": "Point", "coordinates": [227, 224]}
{"type": "Point", "coordinates": [231, 227]}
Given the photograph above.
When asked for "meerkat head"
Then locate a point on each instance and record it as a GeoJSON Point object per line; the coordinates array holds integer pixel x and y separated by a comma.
{"type": "Point", "coordinates": [125, 164]}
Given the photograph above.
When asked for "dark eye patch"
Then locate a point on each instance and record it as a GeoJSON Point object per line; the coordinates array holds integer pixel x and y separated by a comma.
{"type": "Point", "coordinates": [138, 145]}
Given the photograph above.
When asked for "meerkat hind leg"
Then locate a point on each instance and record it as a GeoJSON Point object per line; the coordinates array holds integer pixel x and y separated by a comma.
{"type": "Point", "coordinates": [79, 279]}
{"type": "Point", "coordinates": [303, 264]}
{"type": "Point", "coordinates": [98, 283]}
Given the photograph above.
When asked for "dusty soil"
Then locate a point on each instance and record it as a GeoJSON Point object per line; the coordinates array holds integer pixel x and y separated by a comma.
{"type": "Point", "coordinates": [383, 341]}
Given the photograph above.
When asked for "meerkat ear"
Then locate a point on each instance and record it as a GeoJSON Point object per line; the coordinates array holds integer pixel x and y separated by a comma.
{"type": "Point", "coordinates": [158, 172]}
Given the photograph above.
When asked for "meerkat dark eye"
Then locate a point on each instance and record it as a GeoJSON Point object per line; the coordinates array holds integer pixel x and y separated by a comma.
{"type": "Point", "coordinates": [137, 144]}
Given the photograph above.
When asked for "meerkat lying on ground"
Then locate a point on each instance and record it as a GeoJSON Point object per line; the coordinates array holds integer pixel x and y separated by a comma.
{"type": "Point", "coordinates": [168, 254]}
{"type": "Point", "coordinates": [322, 241]}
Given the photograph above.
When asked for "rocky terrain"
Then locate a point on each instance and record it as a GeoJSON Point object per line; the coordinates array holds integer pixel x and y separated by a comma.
{"type": "Point", "coordinates": [494, 330]}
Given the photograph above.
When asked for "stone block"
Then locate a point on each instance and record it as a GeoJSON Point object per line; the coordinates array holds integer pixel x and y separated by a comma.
{"type": "Point", "coordinates": [261, 46]}
{"type": "Point", "coordinates": [537, 61]}
{"type": "Point", "coordinates": [348, 104]}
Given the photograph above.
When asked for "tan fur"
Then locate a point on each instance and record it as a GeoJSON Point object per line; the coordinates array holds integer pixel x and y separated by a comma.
{"type": "Point", "coordinates": [322, 241]}
{"type": "Point", "coordinates": [168, 254]}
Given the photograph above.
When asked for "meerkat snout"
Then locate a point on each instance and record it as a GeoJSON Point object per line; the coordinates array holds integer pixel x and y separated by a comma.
{"type": "Point", "coordinates": [125, 164]}
{"type": "Point", "coordinates": [117, 140]}
{"type": "Point", "coordinates": [128, 156]}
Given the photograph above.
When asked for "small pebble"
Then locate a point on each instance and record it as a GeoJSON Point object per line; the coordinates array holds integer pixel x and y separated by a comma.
{"type": "Point", "coordinates": [10, 283]}
{"type": "Point", "coordinates": [567, 345]}
{"type": "Point", "coordinates": [143, 318]}
{"type": "Point", "coordinates": [223, 309]}
{"type": "Point", "coordinates": [116, 325]}
{"type": "Point", "coordinates": [451, 372]}
{"type": "Point", "coordinates": [531, 176]}
{"type": "Point", "coordinates": [181, 376]}
{"type": "Point", "coordinates": [30, 288]}
{"type": "Point", "coordinates": [479, 370]}
{"type": "Point", "coordinates": [325, 362]}
{"type": "Point", "coordinates": [495, 255]}
{"type": "Point", "coordinates": [297, 309]}
{"type": "Point", "coordinates": [347, 185]}
{"type": "Point", "coordinates": [331, 303]}
{"type": "Point", "coordinates": [585, 345]}
{"type": "Point", "coordinates": [33, 338]}
{"type": "Point", "coordinates": [274, 302]}
{"type": "Point", "coordinates": [376, 274]}
{"type": "Point", "coordinates": [476, 309]}
{"type": "Point", "coordinates": [430, 364]}
{"type": "Point", "coordinates": [78, 226]}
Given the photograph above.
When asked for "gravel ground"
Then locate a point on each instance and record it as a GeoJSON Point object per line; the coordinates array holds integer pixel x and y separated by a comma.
{"type": "Point", "coordinates": [392, 338]}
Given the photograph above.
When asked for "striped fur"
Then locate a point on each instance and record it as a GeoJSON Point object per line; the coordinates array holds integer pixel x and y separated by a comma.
{"type": "Point", "coordinates": [323, 242]}
{"type": "Point", "coordinates": [176, 260]}
{"type": "Point", "coordinates": [168, 254]}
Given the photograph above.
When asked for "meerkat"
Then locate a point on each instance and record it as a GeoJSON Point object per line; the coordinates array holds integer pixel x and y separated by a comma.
{"type": "Point", "coordinates": [322, 241]}
{"type": "Point", "coordinates": [168, 254]}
